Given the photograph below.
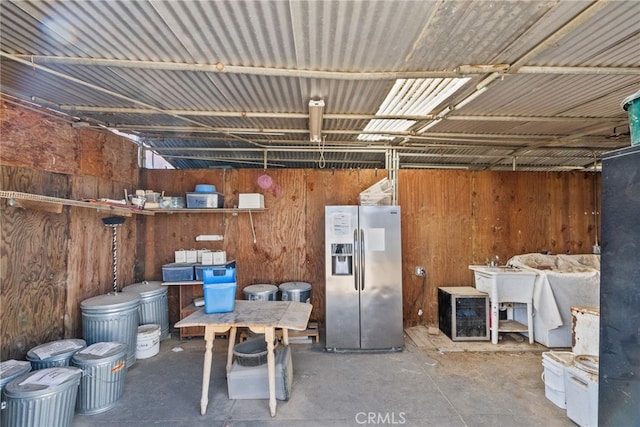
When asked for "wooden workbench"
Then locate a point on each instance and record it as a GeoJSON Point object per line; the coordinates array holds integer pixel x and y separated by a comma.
{"type": "Point", "coordinates": [262, 317]}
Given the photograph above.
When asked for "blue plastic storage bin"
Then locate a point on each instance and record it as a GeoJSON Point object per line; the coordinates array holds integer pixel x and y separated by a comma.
{"type": "Point", "coordinates": [177, 272]}
{"type": "Point", "coordinates": [219, 275]}
{"type": "Point", "coordinates": [220, 272]}
{"type": "Point", "coordinates": [219, 297]}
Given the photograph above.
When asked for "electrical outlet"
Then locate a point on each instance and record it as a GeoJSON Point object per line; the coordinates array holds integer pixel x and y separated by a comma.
{"type": "Point", "coordinates": [420, 272]}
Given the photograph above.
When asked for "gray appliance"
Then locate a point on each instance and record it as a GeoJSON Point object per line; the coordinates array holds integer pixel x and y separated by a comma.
{"type": "Point", "coordinates": [363, 255]}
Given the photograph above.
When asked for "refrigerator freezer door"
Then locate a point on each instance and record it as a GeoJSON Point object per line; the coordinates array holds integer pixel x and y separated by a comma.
{"type": "Point", "coordinates": [342, 304]}
{"type": "Point", "coordinates": [381, 296]}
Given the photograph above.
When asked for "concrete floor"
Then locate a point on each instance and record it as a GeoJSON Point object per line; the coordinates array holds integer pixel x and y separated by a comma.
{"type": "Point", "coordinates": [424, 385]}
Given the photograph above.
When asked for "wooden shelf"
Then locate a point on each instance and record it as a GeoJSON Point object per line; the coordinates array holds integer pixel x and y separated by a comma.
{"type": "Point", "coordinates": [54, 204]}
{"type": "Point", "coordinates": [512, 326]}
{"type": "Point", "coordinates": [209, 210]}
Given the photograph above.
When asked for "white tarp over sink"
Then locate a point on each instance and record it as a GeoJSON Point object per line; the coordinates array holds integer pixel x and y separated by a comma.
{"type": "Point", "coordinates": [563, 281]}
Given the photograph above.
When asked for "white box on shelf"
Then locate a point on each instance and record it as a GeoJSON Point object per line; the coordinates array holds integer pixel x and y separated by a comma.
{"type": "Point", "coordinates": [181, 256]}
{"type": "Point", "coordinates": [192, 255]}
{"type": "Point", "coordinates": [251, 201]}
{"type": "Point", "coordinates": [207, 258]}
{"type": "Point", "coordinates": [200, 252]}
{"type": "Point", "coordinates": [219, 257]}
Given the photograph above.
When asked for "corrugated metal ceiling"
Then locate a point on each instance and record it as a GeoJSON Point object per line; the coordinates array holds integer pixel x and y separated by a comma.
{"type": "Point", "coordinates": [228, 83]}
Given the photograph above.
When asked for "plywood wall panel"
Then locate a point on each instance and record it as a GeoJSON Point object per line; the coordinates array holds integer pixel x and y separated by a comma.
{"type": "Point", "coordinates": [506, 208]}
{"type": "Point", "coordinates": [33, 266]}
{"type": "Point", "coordinates": [90, 251]}
{"type": "Point", "coordinates": [450, 219]}
{"type": "Point", "coordinates": [289, 235]}
{"type": "Point", "coordinates": [32, 139]}
{"type": "Point", "coordinates": [53, 261]}
{"type": "Point", "coordinates": [436, 235]}
{"type": "Point", "coordinates": [576, 207]}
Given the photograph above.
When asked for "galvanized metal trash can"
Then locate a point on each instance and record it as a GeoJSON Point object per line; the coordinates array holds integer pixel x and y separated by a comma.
{"type": "Point", "coordinates": [260, 292]}
{"type": "Point", "coordinates": [154, 306]}
{"type": "Point", "coordinates": [113, 317]}
{"type": "Point", "coordinates": [42, 398]}
{"type": "Point", "coordinates": [10, 370]}
{"type": "Point", "coordinates": [103, 368]}
{"type": "Point", "coordinates": [295, 291]}
{"type": "Point", "coordinates": [54, 353]}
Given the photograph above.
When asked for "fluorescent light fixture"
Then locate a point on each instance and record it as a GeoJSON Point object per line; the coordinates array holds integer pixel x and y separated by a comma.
{"type": "Point", "coordinates": [316, 109]}
{"type": "Point", "coordinates": [410, 97]}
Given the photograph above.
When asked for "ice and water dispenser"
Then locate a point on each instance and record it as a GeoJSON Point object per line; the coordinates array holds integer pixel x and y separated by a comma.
{"type": "Point", "coordinates": [341, 259]}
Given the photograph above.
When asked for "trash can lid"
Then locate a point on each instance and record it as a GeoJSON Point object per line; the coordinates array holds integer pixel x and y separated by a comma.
{"type": "Point", "coordinates": [111, 300]}
{"type": "Point", "coordinates": [146, 289]}
{"type": "Point", "coordinates": [295, 286]}
{"type": "Point", "coordinates": [11, 369]}
{"type": "Point", "coordinates": [100, 351]}
{"type": "Point", "coordinates": [260, 289]}
{"type": "Point", "coordinates": [54, 350]}
{"type": "Point", "coordinates": [43, 381]}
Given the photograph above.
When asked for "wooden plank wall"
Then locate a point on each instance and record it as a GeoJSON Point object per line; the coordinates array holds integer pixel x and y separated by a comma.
{"type": "Point", "coordinates": [51, 262]}
{"type": "Point", "coordinates": [289, 243]}
{"type": "Point", "coordinates": [450, 219]}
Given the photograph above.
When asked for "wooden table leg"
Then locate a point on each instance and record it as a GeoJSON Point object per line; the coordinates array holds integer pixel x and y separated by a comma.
{"type": "Point", "coordinates": [232, 342]}
{"type": "Point", "coordinates": [269, 336]}
{"type": "Point", "coordinates": [285, 336]}
{"type": "Point", "coordinates": [209, 336]}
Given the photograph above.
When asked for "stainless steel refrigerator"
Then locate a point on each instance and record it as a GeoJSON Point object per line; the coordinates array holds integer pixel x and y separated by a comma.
{"type": "Point", "coordinates": [363, 255]}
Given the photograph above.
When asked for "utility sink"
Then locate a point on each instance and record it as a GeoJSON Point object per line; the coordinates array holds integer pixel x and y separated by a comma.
{"type": "Point", "coordinates": [511, 284]}
{"type": "Point", "coordinates": [506, 284]}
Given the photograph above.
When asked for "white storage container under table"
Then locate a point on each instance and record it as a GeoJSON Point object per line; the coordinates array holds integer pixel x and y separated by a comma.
{"type": "Point", "coordinates": [261, 317]}
{"type": "Point", "coordinates": [251, 382]}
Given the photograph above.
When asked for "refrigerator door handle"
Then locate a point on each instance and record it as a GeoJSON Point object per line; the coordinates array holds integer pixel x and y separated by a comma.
{"type": "Point", "coordinates": [361, 259]}
{"type": "Point", "coordinates": [356, 264]}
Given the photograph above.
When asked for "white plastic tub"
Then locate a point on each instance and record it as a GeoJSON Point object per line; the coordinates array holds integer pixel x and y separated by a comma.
{"type": "Point", "coordinates": [582, 392]}
{"type": "Point", "coordinates": [555, 364]}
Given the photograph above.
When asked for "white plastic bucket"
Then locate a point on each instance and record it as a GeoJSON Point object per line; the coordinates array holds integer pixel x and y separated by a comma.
{"type": "Point", "coordinates": [582, 391]}
{"type": "Point", "coordinates": [148, 342]}
{"type": "Point", "coordinates": [555, 364]}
